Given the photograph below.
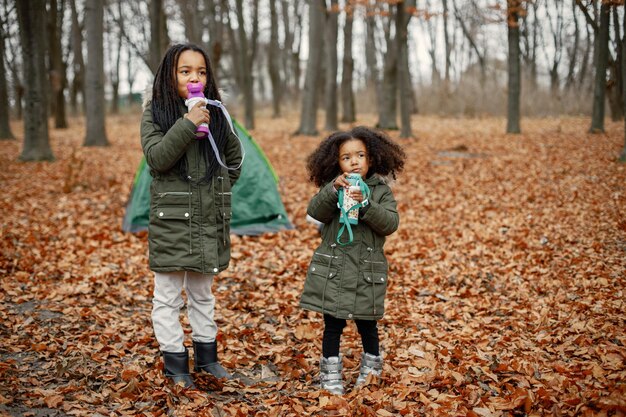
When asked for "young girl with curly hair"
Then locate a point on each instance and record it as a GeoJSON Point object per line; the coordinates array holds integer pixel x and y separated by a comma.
{"type": "Point", "coordinates": [348, 281]}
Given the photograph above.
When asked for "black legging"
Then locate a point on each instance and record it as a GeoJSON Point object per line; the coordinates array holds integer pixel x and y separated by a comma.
{"type": "Point", "coordinates": [333, 327]}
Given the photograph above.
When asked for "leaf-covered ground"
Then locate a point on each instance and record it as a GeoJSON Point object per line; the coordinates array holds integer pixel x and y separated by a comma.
{"type": "Point", "coordinates": [506, 294]}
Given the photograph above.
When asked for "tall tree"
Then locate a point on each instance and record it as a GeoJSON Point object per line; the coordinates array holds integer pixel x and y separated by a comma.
{"type": "Point", "coordinates": [387, 110]}
{"type": "Point", "coordinates": [192, 13]}
{"type": "Point", "coordinates": [614, 85]}
{"type": "Point", "coordinates": [94, 82]}
{"type": "Point", "coordinates": [32, 22]}
{"type": "Point", "coordinates": [347, 92]}
{"type": "Point", "coordinates": [58, 79]}
{"type": "Point", "coordinates": [115, 54]}
{"type": "Point", "coordinates": [514, 9]}
{"type": "Point", "coordinates": [288, 42]}
{"type": "Point", "coordinates": [446, 39]}
{"type": "Point", "coordinates": [529, 42]}
{"type": "Point", "coordinates": [273, 60]}
{"type": "Point", "coordinates": [330, 90]}
{"type": "Point", "coordinates": [622, 157]}
{"type": "Point", "coordinates": [308, 114]}
{"type": "Point", "coordinates": [405, 10]}
{"type": "Point", "coordinates": [78, 63]}
{"type": "Point", "coordinates": [158, 29]}
{"type": "Point", "coordinates": [216, 34]}
{"type": "Point", "coordinates": [597, 118]}
{"type": "Point", "coordinates": [556, 25]}
{"type": "Point", "coordinates": [5, 128]}
{"type": "Point", "coordinates": [573, 51]}
{"type": "Point", "coordinates": [433, 29]}
{"type": "Point", "coordinates": [247, 55]}
{"type": "Point", "coordinates": [292, 34]}
{"type": "Point", "coordinates": [482, 61]}
{"type": "Point", "coordinates": [371, 61]}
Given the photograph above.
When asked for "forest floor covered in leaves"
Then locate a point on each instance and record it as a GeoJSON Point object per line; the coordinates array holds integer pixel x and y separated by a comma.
{"type": "Point", "coordinates": [506, 289]}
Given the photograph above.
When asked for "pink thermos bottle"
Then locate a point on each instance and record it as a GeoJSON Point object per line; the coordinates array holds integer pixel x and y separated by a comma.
{"type": "Point", "coordinates": [194, 95]}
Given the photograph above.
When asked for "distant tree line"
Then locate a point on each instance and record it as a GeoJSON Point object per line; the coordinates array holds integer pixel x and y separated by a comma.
{"type": "Point", "coordinates": [58, 57]}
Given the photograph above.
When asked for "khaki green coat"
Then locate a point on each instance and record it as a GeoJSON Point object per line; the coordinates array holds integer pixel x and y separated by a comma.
{"type": "Point", "coordinates": [350, 282]}
{"type": "Point", "coordinates": [189, 220]}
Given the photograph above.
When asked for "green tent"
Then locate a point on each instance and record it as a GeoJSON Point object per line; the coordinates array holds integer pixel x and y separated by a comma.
{"type": "Point", "coordinates": [257, 207]}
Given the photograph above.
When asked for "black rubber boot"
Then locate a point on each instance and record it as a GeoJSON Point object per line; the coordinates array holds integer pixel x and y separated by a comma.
{"type": "Point", "coordinates": [205, 359]}
{"type": "Point", "coordinates": [177, 368]}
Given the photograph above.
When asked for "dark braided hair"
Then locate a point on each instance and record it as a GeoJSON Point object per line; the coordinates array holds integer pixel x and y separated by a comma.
{"type": "Point", "coordinates": [385, 156]}
{"type": "Point", "coordinates": [166, 107]}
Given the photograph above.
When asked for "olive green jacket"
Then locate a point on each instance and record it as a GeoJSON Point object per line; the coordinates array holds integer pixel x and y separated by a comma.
{"type": "Point", "coordinates": [189, 220]}
{"type": "Point", "coordinates": [350, 281]}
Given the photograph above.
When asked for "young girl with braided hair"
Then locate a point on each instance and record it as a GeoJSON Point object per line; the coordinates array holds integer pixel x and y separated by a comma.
{"type": "Point", "coordinates": [190, 208]}
{"type": "Point", "coordinates": [347, 280]}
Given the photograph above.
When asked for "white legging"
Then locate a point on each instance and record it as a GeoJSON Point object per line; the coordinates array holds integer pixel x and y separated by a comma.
{"type": "Point", "coordinates": [168, 301]}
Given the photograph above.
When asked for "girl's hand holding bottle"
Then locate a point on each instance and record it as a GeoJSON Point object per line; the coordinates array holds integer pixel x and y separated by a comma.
{"type": "Point", "coordinates": [198, 114]}
{"type": "Point", "coordinates": [353, 192]}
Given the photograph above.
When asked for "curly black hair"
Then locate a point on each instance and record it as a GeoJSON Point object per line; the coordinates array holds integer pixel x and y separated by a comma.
{"type": "Point", "coordinates": [385, 156]}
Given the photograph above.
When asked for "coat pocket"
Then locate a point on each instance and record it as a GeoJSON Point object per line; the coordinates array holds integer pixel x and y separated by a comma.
{"type": "Point", "coordinates": [321, 290]}
{"type": "Point", "coordinates": [370, 300]}
{"type": "Point", "coordinates": [174, 212]}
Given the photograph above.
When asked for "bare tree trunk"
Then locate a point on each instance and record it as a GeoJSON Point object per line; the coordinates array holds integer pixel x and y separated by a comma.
{"type": "Point", "coordinates": [597, 118]}
{"type": "Point", "coordinates": [308, 115]}
{"type": "Point", "coordinates": [446, 39]}
{"type": "Point", "coordinates": [387, 109]}
{"type": "Point", "coordinates": [94, 86]}
{"type": "Point", "coordinates": [481, 56]}
{"type": "Point", "coordinates": [5, 127]}
{"type": "Point", "coordinates": [273, 60]}
{"type": "Point", "coordinates": [116, 52]}
{"type": "Point", "coordinates": [216, 34]}
{"type": "Point", "coordinates": [295, 53]}
{"type": "Point", "coordinates": [556, 30]}
{"type": "Point", "coordinates": [159, 39]}
{"type": "Point", "coordinates": [192, 20]}
{"type": "Point", "coordinates": [57, 66]}
{"type": "Point", "coordinates": [432, 29]}
{"type": "Point", "coordinates": [78, 82]}
{"type": "Point", "coordinates": [513, 118]}
{"type": "Point", "coordinates": [370, 57]}
{"type": "Point", "coordinates": [582, 74]}
{"type": "Point", "coordinates": [614, 85]}
{"type": "Point", "coordinates": [330, 96]}
{"type": "Point", "coordinates": [287, 42]}
{"type": "Point", "coordinates": [347, 93]}
{"type": "Point", "coordinates": [622, 157]}
{"type": "Point", "coordinates": [248, 52]}
{"type": "Point", "coordinates": [573, 56]}
{"type": "Point", "coordinates": [404, 76]}
{"type": "Point", "coordinates": [130, 76]}
{"type": "Point", "coordinates": [32, 23]}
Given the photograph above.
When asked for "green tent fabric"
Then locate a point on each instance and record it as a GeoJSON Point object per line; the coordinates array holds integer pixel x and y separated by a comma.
{"type": "Point", "coordinates": [257, 206]}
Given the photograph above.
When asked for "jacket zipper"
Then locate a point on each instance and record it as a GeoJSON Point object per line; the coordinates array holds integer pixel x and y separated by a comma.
{"type": "Point", "coordinates": [176, 192]}
{"type": "Point", "coordinates": [328, 256]}
{"type": "Point", "coordinates": [222, 193]}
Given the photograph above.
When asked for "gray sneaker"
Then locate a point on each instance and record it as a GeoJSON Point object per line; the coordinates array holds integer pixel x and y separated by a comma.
{"type": "Point", "coordinates": [331, 379]}
{"type": "Point", "coordinates": [370, 364]}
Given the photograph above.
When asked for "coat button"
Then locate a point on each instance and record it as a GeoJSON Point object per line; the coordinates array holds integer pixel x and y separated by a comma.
{"type": "Point", "coordinates": [161, 214]}
{"type": "Point", "coordinates": [186, 214]}
{"type": "Point", "coordinates": [350, 315]}
{"type": "Point", "coordinates": [382, 280]}
{"type": "Point", "coordinates": [313, 269]}
{"type": "Point", "coordinates": [215, 269]}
